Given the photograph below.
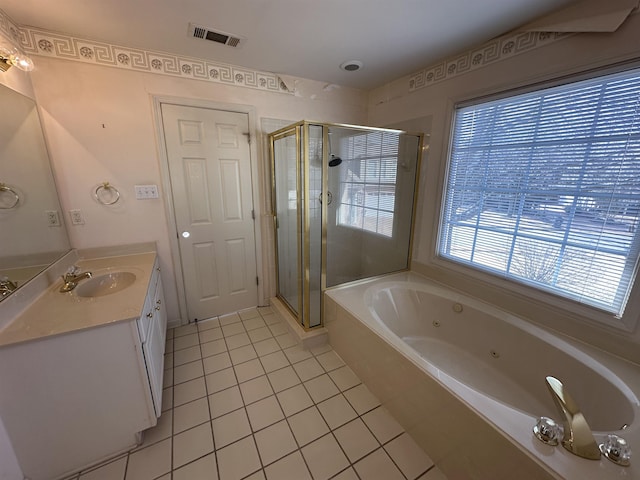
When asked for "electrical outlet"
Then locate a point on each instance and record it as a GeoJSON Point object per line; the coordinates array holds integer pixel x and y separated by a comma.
{"type": "Point", "coordinates": [144, 192]}
{"type": "Point", "coordinates": [76, 217]}
{"type": "Point", "coordinates": [53, 219]}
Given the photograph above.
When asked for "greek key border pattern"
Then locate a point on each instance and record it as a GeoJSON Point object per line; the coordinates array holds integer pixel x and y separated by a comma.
{"type": "Point", "coordinates": [42, 42]}
{"type": "Point", "coordinates": [491, 52]}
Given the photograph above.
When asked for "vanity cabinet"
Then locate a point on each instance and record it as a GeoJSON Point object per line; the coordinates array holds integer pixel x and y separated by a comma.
{"type": "Point", "coordinates": [71, 400]}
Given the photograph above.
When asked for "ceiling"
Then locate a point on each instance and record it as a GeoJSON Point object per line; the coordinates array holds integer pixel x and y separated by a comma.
{"type": "Point", "coordinates": [392, 38]}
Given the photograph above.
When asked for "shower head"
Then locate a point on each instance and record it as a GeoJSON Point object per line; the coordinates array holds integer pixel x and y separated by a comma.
{"type": "Point", "coordinates": [334, 161]}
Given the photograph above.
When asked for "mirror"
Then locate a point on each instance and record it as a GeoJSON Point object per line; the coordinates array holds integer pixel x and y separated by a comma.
{"type": "Point", "coordinates": [32, 230]}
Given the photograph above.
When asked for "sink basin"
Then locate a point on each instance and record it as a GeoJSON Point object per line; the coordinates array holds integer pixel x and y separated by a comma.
{"type": "Point", "coordinates": [105, 284]}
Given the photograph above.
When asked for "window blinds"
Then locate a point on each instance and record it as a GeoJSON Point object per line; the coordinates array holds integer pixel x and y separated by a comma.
{"type": "Point", "coordinates": [544, 188]}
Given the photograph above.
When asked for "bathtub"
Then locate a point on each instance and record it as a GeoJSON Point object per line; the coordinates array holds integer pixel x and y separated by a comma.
{"type": "Point", "coordinates": [467, 380]}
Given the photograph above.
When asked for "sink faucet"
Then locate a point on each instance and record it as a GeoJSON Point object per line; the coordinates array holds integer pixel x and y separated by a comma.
{"type": "Point", "coordinates": [72, 277]}
{"type": "Point", "coordinates": [578, 438]}
{"type": "Point", "coordinates": [7, 286]}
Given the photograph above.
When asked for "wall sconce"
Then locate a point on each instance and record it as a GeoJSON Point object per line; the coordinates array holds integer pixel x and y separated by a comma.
{"type": "Point", "coordinates": [11, 55]}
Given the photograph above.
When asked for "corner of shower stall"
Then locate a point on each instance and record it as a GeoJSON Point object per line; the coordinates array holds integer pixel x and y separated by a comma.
{"type": "Point", "coordinates": [343, 200]}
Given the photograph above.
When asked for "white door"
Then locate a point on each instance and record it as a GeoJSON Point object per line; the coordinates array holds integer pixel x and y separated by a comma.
{"type": "Point", "coordinates": [210, 171]}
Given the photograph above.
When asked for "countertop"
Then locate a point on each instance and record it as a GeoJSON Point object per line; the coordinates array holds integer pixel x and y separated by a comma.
{"type": "Point", "coordinates": [55, 313]}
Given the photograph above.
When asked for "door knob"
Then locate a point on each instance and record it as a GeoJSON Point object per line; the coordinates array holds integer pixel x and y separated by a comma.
{"type": "Point", "coordinates": [185, 234]}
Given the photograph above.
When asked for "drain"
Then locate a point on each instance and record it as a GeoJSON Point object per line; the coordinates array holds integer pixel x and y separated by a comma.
{"type": "Point", "coordinates": [436, 323]}
{"type": "Point", "coordinates": [494, 353]}
{"type": "Point", "coordinates": [457, 307]}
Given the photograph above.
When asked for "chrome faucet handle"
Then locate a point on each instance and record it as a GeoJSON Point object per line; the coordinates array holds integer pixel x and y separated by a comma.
{"type": "Point", "coordinates": [578, 437]}
{"type": "Point", "coordinates": [617, 450]}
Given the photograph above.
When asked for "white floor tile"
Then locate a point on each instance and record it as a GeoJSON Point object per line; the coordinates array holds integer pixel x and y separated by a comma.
{"type": "Point", "coordinates": [208, 324]}
{"type": "Point", "coordinates": [344, 378]}
{"type": "Point", "coordinates": [225, 401]}
{"type": "Point", "coordinates": [308, 369]}
{"type": "Point", "coordinates": [188, 391]}
{"type": "Point", "coordinates": [237, 341]}
{"type": "Point", "coordinates": [168, 361]}
{"type": "Point", "coordinates": [361, 399]}
{"type": "Point", "coordinates": [321, 388]}
{"type": "Point", "coordinates": [213, 348]}
{"type": "Point", "coordinates": [294, 400]}
{"type": "Point", "coordinates": [249, 313]}
{"type": "Point", "coordinates": [248, 370]}
{"type": "Point", "coordinates": [320, 349]}
{"type": "Point", "coordinates": [221, 380]}
{"type": "Point", "coordinates": [433, 474]}
{"type": "Point", "coordinates": [186, 355]}
{"type": "Point", "coordinates": [348, 474]}
{"type": "Point", "coordinates": [287, 340]}
{"type": "Point", "coordinates": [254, 323]}
{"type": "Point", "coordinates": [167, 379]}
{"type": "Point", "coordinates": [187, 372]}
{"type": "Point", "coordinates": [150, 462]}
{"type": "Point", "coordinates": [275, 442]}
{"type": "Point", "coordinates": [274, 361]}
{"type": "Point", "coordinates": [210, 335]}
{"type": "Point", "coordinates": [192, 444]}
{"type": "Point", "coordinates": [408, 456]}
{"type": "Point", "coordinates": [283, 379]}
{"type": "Point", "coordinates": [229, 319]}
{"type": "Point", "coordinates": [217, 362]}
{"type": "Point", "coordinates": [378, 466]}
{"type": "Point", "coordinates": [202, 469]}
{"type": "Point", "coordinates": [330, 360]}
{"type": "Point", "coordinates": [262, 333]}
{"type": "Point", "coordinates": [238, 460]}
{"type": "Point", "coordinates": [291, 467]}
{"type": "Point", "coordinates": [308, 426]}
{"type": "Point", "coordinates": [264, 412]}
{"type": "Point", "coordinates": [265, 347]}
{"type": "Point", "coordinates": [185, 330]}
{"type": "Point", "coordinates": [242, 354]}
{"type": "Point", "coordinates": [271, 318]}
{"type": "Point", "coordinates": [336, 411]}
{"type": "Point", "coordinates": [382, 424]}
{"type": "Point", "coordinates": [187, 341]}
{"type": "Point", "coordinates": [167, 398]}
{"type": "Point", "coordinates": [356, 440]}
{"type": "Point", "coordinates": [230, 427]}
{"type": "Point", "coordinates": [111, 471]}
{"type": "Point", "coordinates": [256, 389]}
{"type": "Point", "coordinates": [233, 329]}
{"type": "Point", "coordinates": [278, 329]}
{"type": "Point", "coordinates": [325, 458]}
{"type": "Point", "coordinates": [297, 354]}
{"type": "Point", "coordinates": [259, 475]}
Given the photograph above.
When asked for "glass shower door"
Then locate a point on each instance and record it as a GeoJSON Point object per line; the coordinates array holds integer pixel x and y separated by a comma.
{"type": "Point", "coordinates": [287, 205]}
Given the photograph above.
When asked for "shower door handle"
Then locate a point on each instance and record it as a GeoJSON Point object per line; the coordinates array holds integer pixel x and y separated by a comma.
{"type": "Point", "coordinates": [329, 196]}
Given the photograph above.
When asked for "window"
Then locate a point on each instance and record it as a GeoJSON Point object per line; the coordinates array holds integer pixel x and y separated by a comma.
{"type": "Point", "coordinates": [543, 188]}
{"type": "Point", "coordinates": [368, 183]}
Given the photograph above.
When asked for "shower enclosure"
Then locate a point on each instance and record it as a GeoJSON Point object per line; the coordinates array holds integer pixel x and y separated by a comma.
{"type": "Point", "coordinates": [343, 202]}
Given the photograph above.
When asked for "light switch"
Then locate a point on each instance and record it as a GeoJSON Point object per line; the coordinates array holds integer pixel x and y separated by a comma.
{"type": "Point", "coordinates": [144, 192]}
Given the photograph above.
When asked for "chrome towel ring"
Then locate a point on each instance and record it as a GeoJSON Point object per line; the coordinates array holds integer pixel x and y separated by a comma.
{"type": "Point", "coordinates": [106, 187]}
{"type": "Point", "coordinates": [6, 190]}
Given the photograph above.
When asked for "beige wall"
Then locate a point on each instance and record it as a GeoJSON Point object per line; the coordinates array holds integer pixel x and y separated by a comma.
{"type": "Point", "coordinates": [392, 104]}
{"type": "Point", "coordinates": [100, 127]}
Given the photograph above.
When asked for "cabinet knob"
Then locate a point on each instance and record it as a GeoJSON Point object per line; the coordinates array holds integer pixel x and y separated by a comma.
{"type": "Point", "coordinates": [158, 269]}
{"type": "Point", "coordinates": [150, 314]}
{"type": "Point", "coordinates": [159, 302]}
{"type": "Point", "coordinates": [157, 308]}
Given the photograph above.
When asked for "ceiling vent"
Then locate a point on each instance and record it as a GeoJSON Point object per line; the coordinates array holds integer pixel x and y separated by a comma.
{"type": "Point", "coordinates": [217, 36]}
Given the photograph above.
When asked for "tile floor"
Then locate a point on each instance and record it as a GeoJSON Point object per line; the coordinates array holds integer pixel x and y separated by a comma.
{"type": "Point", "coordinates": [242, 401]}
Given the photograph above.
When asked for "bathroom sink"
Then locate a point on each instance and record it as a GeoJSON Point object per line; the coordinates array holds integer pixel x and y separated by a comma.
{"type": "Point", "coordinates": [105, 284]}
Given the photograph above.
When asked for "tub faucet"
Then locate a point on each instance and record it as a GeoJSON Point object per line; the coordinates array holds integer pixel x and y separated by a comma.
{"type": "Point", "coordinates": [7, 286]}
{"type": "Point", "coordinates": [72, 277]}
{"type": "Point", "coordinates": [578, 438]}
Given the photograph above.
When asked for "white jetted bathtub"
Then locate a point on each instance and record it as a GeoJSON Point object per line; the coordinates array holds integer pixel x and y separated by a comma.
{"type": "Point", "coordinates": [467, 380]}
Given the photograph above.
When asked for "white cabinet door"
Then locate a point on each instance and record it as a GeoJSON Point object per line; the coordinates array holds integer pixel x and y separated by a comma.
{"type": "Point", "coordinates": [154, 346]}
